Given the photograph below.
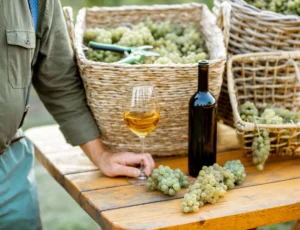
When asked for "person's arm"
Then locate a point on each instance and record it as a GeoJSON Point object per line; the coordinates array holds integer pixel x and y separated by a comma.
{"type": "Point", "coordinates": [58, 84]}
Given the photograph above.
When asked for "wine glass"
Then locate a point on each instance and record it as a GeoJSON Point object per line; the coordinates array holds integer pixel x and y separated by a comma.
{"type": "Point", "coordinates": [141, 116]}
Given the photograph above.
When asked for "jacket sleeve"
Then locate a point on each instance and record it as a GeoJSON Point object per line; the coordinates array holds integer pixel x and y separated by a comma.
{"type": "Point", "coordinates": [56, 78]}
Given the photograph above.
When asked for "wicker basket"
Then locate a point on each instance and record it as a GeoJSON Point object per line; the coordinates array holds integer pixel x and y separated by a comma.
{"type": "Point", "coordinates": [266, 78]}
{"type": "Point", "coordinates": [106, 84]}
{"type": "Point", "coordinates": [247, 29]}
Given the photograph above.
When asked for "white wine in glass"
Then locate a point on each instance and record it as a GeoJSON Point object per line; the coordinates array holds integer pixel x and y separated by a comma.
{"type": "Point", "coordinates": [141, 117]}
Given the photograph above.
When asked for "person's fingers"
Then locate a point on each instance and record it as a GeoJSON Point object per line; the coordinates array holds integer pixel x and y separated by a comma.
{"type": "Point", "coordinates": [151, 160]}
{"type": "Point", "coordinates": [133, 158]}
{"type": "Point", "coordinates": [123, 170]}
{"type": "Point", "coordinates": [149, 164]}
{"type": "Point", "coordinates": [140, 158]}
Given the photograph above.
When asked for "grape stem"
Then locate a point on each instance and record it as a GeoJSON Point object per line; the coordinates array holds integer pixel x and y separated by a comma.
{"type": "Point", "coordinates": [255, 117]}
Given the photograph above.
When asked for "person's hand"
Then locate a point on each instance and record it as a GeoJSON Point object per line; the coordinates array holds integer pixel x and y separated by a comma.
{"type": "Point", "coordinates": [124, 163]}
{"type": "Point", "coordinates": [117, 164]}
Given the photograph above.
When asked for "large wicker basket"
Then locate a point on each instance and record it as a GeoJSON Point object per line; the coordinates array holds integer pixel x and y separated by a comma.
{"type": "Point", "coordinates": [248, 29]}
{"type": "Point", "coordinates": [106, 84]}
{"type": "Point", "coordinates": [266, 78]}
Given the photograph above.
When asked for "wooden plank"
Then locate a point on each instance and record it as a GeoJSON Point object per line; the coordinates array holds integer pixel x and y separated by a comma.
{"type": "Point", "coordinates": [65, 162]}
{"type": "Point", "coordinates": [86, 181]}
{"type": "Point", "coordinates": [119, 197]}
{"type": "Point", "coordinates": [76, 183]}
{"type": "Point", "coordinates": [52, 169]}
{"type": "Point", "coordinates": [240, 209]}
{"type": "Point", "coordinates": [48, 139]}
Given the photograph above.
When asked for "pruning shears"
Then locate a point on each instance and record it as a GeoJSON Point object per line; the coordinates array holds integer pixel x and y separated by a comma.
{"type": "Point", "coordinates": [133, 54]}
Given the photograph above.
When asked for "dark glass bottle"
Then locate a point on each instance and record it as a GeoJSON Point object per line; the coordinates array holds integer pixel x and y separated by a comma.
{"type": "Point", "coordinates": [202, 145]}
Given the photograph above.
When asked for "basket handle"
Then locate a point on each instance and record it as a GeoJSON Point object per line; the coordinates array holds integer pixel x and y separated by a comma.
{"type": "Point", "coordinates": [224, 21]}
{"type": "Point", "coordinates": [68, 11]}
{"type": "Point", "coordinates": [241, 126]}
{"type": "Point", "coordinates": [296, 69]}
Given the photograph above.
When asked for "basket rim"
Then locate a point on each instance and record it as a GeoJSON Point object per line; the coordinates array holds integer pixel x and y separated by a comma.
{"type": "Point", "coordinates": [79, 46]}
{"type": "Point", "coordinates": [250, 126]}
{"type": "Point", "coordinates": [144, 7]}
{"type": "Point", "coordinates": [267, 14]}
{"type": "Point", "coordinates": [88, 62]}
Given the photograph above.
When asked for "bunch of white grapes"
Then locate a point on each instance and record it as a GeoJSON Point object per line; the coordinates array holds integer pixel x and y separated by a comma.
{"type": "Point", "coordinates": [177, 44]}
{"type": "Point", "coordinates": [238, 170]}
{"type": "Point", "coordinates": [212, 184]}
{"type": "Point", "coordinates": [101, 55]}
{"type": "Point", "coordinates": [269, 117]}
{"type": "Point", "coordinates": [287, 115]}
{"type": "Point", "coordinates": [248, 111]}
{"type": "Point", "coordinates": [167, 180]}
{"type": "Point", "coordinates": [287, 7]}
{"type": "Point", "coordinates": [261, 149]}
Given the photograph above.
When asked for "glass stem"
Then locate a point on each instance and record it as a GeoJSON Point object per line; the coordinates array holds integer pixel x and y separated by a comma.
{"type": "Point", "coordinates": [142, 140]}
{"type": "Point", "coordinates": [142, 176]}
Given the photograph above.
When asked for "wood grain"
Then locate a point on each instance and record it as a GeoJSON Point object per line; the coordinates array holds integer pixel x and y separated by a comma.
{"type": "Point", "coordinates": [66, 161]}
{"type": "Point", "coordinates": [242, 208]}
{"type": "Point", "coordinates": [93, 180]}
{"type": "Point", "coordinates": [48, 139]}
{"type": "Point", "coordinates": [124, 196]}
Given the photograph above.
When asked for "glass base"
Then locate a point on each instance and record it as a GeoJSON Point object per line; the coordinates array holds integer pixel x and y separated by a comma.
{"type": "Point", "coordinates": [140, 181]}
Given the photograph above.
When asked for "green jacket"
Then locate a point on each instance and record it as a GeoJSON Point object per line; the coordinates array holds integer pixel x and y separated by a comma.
{"type": "Point", "coordinates": [49, 55]}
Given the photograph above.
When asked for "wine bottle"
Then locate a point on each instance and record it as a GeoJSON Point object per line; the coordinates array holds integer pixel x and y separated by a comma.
{"type": "Point", "coordinates": [202, 136]}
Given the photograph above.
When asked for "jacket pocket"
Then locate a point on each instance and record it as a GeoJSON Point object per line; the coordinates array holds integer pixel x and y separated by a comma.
{"type": "Point", "coordinates": [21, 44]}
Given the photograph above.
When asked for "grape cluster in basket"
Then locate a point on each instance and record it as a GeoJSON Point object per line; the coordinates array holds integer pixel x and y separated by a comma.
{"type": "Point", "coordinates": [174, 42]}
{"type": "Point", "coordinates": [287, 7]}
{"type": "Point", "coordinates": [210, 185]}
{"type": "Point", "coordinates": [270, 115]}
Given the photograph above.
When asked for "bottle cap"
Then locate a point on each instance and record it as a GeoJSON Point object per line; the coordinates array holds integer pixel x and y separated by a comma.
{"type": "Point", "coordinates": [203, 62]}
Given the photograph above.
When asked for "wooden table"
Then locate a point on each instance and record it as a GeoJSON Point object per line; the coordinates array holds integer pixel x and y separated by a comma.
{"type": "Point", "coordinates": [265, 198]}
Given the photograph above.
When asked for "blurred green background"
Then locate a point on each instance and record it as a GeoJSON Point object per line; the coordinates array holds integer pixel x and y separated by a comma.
{"type": "Point", "coordinates": [59, 211]}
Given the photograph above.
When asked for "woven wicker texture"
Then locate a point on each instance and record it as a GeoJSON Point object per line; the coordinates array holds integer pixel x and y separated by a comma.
{"type": "Point", "coordinates": [266, 78]}
{"type": "Point", "coordinates": [247, 29]}
{"type": "Point", "coordinates": [106, 84]}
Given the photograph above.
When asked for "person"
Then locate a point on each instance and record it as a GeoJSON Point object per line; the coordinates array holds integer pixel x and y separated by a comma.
{"type": "Point", "coordinates": [46, 57]}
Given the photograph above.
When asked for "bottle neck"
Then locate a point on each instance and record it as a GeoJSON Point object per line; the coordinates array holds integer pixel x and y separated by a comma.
{"type": "Point", "coordinates": [203, 78]}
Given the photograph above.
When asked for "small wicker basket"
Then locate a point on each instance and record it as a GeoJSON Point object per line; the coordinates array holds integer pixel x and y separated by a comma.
{"type": "Point", "coordinates": [106, 84]}
{"type": "Point", "coordinates": [247, 29]}
{"type": "Point", "coordinates": [266, 78]}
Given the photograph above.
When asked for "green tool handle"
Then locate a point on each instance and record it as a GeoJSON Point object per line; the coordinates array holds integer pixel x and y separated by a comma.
{"type": "Point", "coordinates": [115, 48]}
{"type": "Point", "coordinates": [132, 59]}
